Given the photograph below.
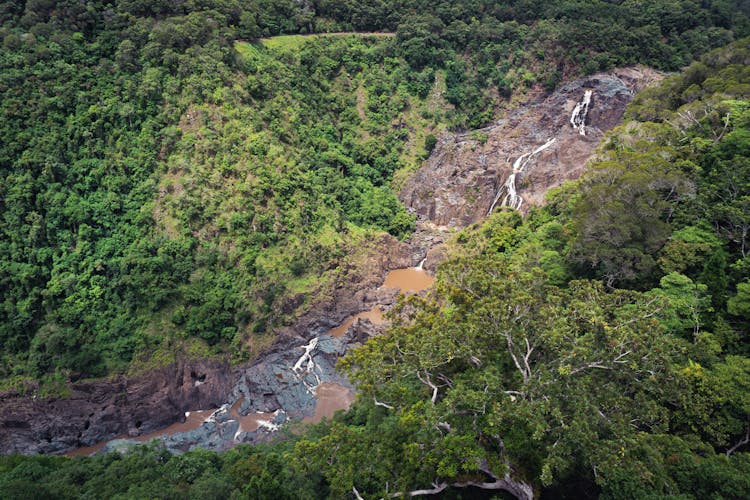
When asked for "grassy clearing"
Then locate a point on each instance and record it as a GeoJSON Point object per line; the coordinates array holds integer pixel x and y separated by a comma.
{"type": "Point", "coordinates": [422, 117]}
{"type": "Point", "coordinates": [293, 42]}
{"type": "Point", "coordinates": [248, 49]}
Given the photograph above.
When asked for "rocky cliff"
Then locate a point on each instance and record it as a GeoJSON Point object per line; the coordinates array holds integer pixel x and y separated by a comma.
{"type": "Point", "coordinates": [100, 410]}
{"type": "Point", "coordinates": [455, 187]}
{"type": "Point", "coordinates": [131, 407]}
{"type": "Point", "coordinates": [462, 178]}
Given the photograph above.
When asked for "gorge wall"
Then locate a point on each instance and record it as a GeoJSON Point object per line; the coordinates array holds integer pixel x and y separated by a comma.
{"type": "Point", "coordinates": [125, 408]}
{"type": "Point", "coordinates": [549, 141]}
{"type": "Point", "coordinates": [99, 410]}
{"type": "Point", "coordinates": [457, 185]}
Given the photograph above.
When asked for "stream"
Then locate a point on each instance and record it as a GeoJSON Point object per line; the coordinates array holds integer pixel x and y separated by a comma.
{"type": "Point", "coordinates": [193, 420]}
{"type": "Point", "coordinates": [331, 398]}
{"type": "Point", "coordinates": [297, 383]}
{"type": "Point", "coordinates": [578, 117]}
{"type": "Point", "coordinates": [512, 198]}
{"type": "Point", "coordinates": [375, 315]}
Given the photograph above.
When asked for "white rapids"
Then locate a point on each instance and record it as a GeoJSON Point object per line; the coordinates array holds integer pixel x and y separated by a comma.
{"type": "Point", "coordinates": [307, 361]}
{"type": "Point", "coordinates": [512, 198]}
{"type": "Point", "coordinates": [578, 117]}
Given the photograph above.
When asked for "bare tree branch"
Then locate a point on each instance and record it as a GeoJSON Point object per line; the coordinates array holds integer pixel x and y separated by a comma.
{"type": "Point", "coordinates": [524, 374]}
{"type": "Point", "coordinates": [593, 364]}
{"type": "Point", "coordinates": [445, 379]}
{"type": "Point", "coordinates": [429, 383]}
{"type": "Point", "coordinates": [437, 488]}
{"type": "Point", "coordinates": [717, 138]}
{"type": "Point", "coordinates": [526, 357]}
{"type": "Point", "coordinates": [517, 488]}
{"type": "Point", "coordinates": [384, 405]}
{"type": "Point", "coordinates": [356, 493]}
{"type": "Point", "coordinates": [444, 425]}
{"type": "Point", "coordinates": [740, 443]}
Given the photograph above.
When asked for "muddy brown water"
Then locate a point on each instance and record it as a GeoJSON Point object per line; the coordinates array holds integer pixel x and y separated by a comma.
{"type": "Point", "coordinates": [331, 398]}
{"type": "Point", "coordinates": [409, 280]}
{"type": "Point", "coordinates": [375, 315]}
{"type": "Point", "coordinates": [412, 279]}
{"type": "Point", "coordinates": [193, 420]}
{"type": "Point", "coordinates": [85, 451]}
{"type": "Point", "coordinates": [252, 422]}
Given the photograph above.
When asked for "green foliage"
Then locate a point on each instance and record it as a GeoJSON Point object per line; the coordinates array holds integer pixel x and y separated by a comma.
{"type": "Point", "coordinates": [517, 364]}
{"type": "Point", "coordinates": [687, 249]}
{"type": "Point", "coordinates": [518, 359]}
{"type": "Point", "coordinates": [160, 179]}
{"type": "Point", "coordinates": [621, 216]}
{"type": "Point", "coordinates": [430, 141]}
{"type": "Point", "coordinates": [151, 472]}
{"type": "Point", "coordinates": [686, 303]}
{"type": "Point", "coordinates": [739, 305]}
{"type": "Point", "coordinates": [163, 192]}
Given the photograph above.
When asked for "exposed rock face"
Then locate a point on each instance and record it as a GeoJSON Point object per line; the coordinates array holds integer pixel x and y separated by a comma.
{"type": "Point", "coordinates": [270, 385]}
{"type": "Point", "coordinates": [454, 188]}
{"type": "Point", "coordinates": [98, 411]}
{"type": "Point", "coordinates": [459, 182]}
{"type": "Point", "coordinates": [101, 410]}
{"type": "Point", "coordinates": [357, 288]}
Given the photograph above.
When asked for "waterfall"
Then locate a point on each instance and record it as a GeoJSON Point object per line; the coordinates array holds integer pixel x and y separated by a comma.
{"type": "Point", "coordinates": [512, 199]}
{"type": "Point", "coordinates": [578, 118]}
{"type": "Point", "coordinates": [213, 416]}
{"type": "Point", "coordinates": [310, 368]}
{"type": "Point", "coordinates": [269, 426]}
{"type": "Point", "coordinates": [420, 267]}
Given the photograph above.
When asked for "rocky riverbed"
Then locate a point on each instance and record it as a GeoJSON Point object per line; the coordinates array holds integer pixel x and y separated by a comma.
{"type": "Point", "coordinates": [217, 406]}
{"type": "Point", "coordinates": [265, 395]}
{"type": "Point", "coordinates": [456, 186]}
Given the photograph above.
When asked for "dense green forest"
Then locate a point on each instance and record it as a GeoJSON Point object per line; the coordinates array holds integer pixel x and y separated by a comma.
{"type": "Point", "coordinates": [587, 350]}
{"type": "Point", "coordinates": [168, 178]}
{"type": "Point", "coordinates": [164, 184]}
{"type": "Point", "coordinates": [598, 344]}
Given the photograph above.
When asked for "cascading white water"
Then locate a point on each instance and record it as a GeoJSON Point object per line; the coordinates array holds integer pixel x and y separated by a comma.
{"type": "Point", "coordinates": [212, 417]}
{"type": "Point", "coordinates": [578, 117]}
{"type": "Point", "coordinates": [310, 368]}
{"type": "Point", "coordinates": [512, 199]}
{"type": "Point", "coordinates": [269, 426]}
{"type": "Point", "coordinates": [309, 348]}
{"type": "Point", "coordinates": [420, 267]}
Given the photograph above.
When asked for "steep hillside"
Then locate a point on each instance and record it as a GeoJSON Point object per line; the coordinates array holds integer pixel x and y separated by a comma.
{"type": "Point", "coordinates": [464, 178]}
{"type": "Point", "coordinates": [190, 203]}
{"type": "Point", "coordinates": [596, 347]}
{"type": "Point", "coordinates": [163, 184]}
{"type": "Point", "coordinates": [355, 284]}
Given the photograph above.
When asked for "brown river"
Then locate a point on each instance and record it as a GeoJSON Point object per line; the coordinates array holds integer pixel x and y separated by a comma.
{"type": "Point", "coordinates": [412, 279]}
{"type": "Point", "coordinates": [375, 315]}
{"type": "Point", "coordinates": [330, 396]}
{"type": "Point", "coordinates": [193, 420]}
